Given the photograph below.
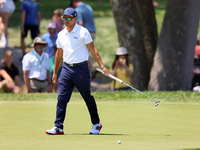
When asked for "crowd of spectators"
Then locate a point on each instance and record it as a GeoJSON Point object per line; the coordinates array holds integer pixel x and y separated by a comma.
{"type": "Point", "coordinates": [30, 21]}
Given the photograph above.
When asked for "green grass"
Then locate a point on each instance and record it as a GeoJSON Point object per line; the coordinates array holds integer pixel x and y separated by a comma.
{"type": "Point", "coordinates": [160, 13]}
{"type": "Point", "coordinates": [126, 116]}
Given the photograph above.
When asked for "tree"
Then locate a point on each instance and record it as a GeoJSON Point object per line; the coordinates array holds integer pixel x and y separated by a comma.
{"type": "Point", "coordinates": [137, 31]}
{"type": "Point", "coordinates": [173, 62]}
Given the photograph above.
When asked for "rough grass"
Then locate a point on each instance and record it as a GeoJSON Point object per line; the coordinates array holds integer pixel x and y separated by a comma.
{"type": "Point", "coordinates": [163, 97]}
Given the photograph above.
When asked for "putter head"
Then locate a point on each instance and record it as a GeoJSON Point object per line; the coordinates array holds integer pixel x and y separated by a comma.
{"type": "Point", "coordinates": [156, 104]}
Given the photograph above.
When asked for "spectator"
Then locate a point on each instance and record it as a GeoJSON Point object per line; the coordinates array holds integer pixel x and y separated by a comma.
{"type": "Point", "coordinates": [50, 37]}
{"type": "Point", "coordinates": [36, 68]}
{"type": "Point", "coordinates": [57, 19]}
{"type": "Point", "coordinates": [197, 47]}
{"type": "Point", "coordinates": [30, 20]}
{"type": "Point", "coordinates": [196, 74]}
{"type": "Point", "coordinates": [7, 7]}
{"type": "Point", "coordinates": [50, 49]}
{"type": "Point", "coordinates": [155, 4]}
{"type": "Point", "coordinates": [198, 40]}
{"type": "Point", "coordinates": [85, 18]}
{"type": "Point", "coordinates": [122, 69]}
{"type": "Point", "coordinates": [6, 82]}
{"type": "Point", "coordinates": [52, 63]}
{"type": "Point", "coordinates": [11, 70]}
{"type": "Point", "coordinates": [196, 68]}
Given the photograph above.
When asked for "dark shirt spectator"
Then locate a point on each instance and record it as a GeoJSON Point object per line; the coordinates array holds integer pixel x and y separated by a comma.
{"type": "Point", "coordinates": [11, 70]}
{"type": "Point", "coordinates": [30, 20]}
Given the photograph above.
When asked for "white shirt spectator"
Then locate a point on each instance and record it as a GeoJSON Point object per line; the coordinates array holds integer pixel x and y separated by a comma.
{"type": "Point", "coordinates": [74, 44]}
{"type": "Point", "coordinates": [36, 64]}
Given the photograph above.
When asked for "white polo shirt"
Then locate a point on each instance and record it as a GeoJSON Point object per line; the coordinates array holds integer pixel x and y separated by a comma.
{"type": "Point", "coordinates": [74, 44]}
{"type": "Point", "coordinates": [36, 64]}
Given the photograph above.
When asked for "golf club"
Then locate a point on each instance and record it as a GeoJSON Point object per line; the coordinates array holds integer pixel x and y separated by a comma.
{"type": "Point", "coordinates": [122, 82]}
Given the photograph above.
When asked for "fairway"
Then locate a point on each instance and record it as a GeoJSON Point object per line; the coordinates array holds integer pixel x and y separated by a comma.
{"type": "Point", "coordinates": [137, 124]}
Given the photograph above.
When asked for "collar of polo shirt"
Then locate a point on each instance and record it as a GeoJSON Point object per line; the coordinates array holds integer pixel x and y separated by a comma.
{"type": "Point", "coordinates": [75, 28]}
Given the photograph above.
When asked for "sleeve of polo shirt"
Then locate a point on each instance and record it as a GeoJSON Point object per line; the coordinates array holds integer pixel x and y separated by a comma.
{"type": "Point", "coordinates": [58, 45]}
{"type": "Point", "coordinates": [25, 63]}
{"type": "Point", "coordinates": [88, 38]}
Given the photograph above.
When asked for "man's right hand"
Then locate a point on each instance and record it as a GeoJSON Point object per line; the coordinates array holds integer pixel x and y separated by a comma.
{"type": "Point", "coordinates": [55, 79]}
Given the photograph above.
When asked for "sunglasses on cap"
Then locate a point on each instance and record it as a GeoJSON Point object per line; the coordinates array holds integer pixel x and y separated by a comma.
{"type": "Point", "coordinates": [68, 18]}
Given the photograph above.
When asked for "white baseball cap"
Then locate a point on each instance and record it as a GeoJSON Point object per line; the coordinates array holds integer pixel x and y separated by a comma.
{"type": "Point", "coordinates": [122, 51]}
{"type": "Point", "coordinates": [51, 25]}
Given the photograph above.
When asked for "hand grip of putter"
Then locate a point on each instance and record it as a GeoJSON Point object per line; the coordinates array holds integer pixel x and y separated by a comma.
{"type": "Point", "coordinates": [111, 76]}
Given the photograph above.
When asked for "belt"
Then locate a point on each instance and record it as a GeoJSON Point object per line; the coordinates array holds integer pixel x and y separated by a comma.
{"type": "Point", "coordinates": [38, 80]}
{"type": "Point", "coordinates": [76, 64]}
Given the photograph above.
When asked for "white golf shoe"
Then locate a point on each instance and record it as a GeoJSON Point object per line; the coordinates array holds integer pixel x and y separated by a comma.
{"type": "Point", "coordinates": [96, 128]}
{"type": "Point", "coordinates": [55, 131]}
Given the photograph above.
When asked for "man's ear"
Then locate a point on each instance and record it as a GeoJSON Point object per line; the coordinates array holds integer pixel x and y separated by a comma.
{"type": "Point", "coordinates": [75, 18]}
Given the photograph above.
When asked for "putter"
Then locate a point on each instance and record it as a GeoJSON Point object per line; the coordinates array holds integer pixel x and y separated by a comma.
{"type": "Point", "coordinates": [122, 82]}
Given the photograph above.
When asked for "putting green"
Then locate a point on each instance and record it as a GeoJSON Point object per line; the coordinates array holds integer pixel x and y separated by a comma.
{"type": "Point", "coordinates": [137, 125]}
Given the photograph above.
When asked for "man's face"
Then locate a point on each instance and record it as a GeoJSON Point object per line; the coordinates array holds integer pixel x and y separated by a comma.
{"type": "Point", "coordinates": [8, 58]}
{"type": "Point", "coordinates": [69, 21]}
{"type": "Point", "coordinates": [39, 47]}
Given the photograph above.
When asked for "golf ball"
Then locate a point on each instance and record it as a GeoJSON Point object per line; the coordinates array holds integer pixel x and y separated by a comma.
{"type": "Point", "coordinates": [119, 142]}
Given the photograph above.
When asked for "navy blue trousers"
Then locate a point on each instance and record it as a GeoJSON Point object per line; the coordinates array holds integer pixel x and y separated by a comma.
{"type": "Point", "coordinates": [79, 77]}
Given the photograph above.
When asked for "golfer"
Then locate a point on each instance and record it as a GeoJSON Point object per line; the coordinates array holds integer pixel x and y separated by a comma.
{"type": "Point", "coordinates": [73, 46]}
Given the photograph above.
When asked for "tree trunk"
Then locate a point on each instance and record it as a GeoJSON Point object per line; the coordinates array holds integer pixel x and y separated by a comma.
{"type": "Point", "coordinates": [148, 24]}
{"type": "Point", "coordinates": [136, 27]}
{"type": "Point", "coordinates": [173, 62]}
